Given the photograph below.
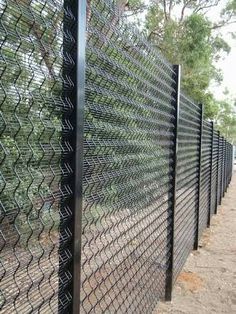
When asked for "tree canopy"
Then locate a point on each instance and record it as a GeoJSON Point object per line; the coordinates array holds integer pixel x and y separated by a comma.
{"type": "Point", "coordinates": [183, 32]}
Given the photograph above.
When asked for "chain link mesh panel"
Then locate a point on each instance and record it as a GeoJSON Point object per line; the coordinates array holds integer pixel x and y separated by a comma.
{"type": "Point", "coordinates": [187, 181]}
{"type": "Point", "coordinates": [34, 217]}
{"type": "Point", "coordinates": [129, 131]}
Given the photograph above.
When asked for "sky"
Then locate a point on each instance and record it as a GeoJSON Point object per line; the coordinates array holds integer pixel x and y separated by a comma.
{"type": "Point", "coordinates": [228, 67]}
{"type": "Point", "coordinates": [228, 63]}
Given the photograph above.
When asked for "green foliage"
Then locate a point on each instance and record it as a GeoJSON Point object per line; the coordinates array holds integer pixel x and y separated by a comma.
{"type": "Point", "coordinates": [30, 64]}
{"type": "Point", "coordinates": [226, 119]}
{"type": "Point", "coordinates": [190, 44]}
{"type": "Point", "coordinates": [190, 40]}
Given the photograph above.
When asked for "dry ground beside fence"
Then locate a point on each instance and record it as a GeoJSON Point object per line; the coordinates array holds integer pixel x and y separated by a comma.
{"type": "Point", "coordinates": [207, 283]}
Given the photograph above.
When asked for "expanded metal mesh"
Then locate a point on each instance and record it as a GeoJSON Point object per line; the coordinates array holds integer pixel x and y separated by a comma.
{"type": "Point", "coordinates": [34, 216]}
{"type": "Point", "coordinates": [128, 149]}
{"type": "Point", "coordinates": [206, 169]}
{"type": "Point", "coordinates": [187, 181]}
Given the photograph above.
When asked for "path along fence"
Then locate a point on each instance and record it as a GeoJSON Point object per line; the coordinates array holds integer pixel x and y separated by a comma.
{"type": "Point", "coordinates": [109, 173]}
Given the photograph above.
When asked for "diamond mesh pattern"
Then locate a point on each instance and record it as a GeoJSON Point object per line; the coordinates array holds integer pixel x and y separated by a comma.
{"type": "Point", "coordinates": [187, 181]}
{"type": "Point", "coordinates": [128, 150]}
{"type": "Point", "coordinates": [34, 148]}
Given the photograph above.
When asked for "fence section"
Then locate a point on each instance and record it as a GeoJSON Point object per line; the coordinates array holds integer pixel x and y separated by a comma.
{"type": "Point", "coordinates": [215, 165]}
{"type": "Point", "coordinates": [35, 217]}
{"type": "Point", "coordinates": [206, 172]}
{"type": "Point", "coordinates": [187, 177]}
{"type": "Point", "coordinates": [128, 169]}
{"type": "Point", "coordinates": [220, 157]}
{"type": "Point", "coordinates": [229, 164]}
{"type": "Point", "coordinates": [153, 170]}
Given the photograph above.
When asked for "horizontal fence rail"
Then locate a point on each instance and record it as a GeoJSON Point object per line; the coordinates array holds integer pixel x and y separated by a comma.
{"type": "Point", "coordinates": [109, 173]}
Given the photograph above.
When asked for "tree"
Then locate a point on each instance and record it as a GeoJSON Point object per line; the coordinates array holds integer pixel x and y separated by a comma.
{"type": "Point", "coordinates": [225, 119]}
{"type": "Point", "coordinates": [188, 38]}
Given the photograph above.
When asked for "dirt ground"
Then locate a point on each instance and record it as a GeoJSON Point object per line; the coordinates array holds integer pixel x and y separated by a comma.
{"type": "Point", "coordinates": [207, 283]}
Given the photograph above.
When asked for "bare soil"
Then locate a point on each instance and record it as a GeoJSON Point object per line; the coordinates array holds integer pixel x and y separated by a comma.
{"type": "Point", "coordinates": [207, 283]}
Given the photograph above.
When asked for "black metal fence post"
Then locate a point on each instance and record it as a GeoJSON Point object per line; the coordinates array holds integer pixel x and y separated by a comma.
{"type": "Point", "coordinates": [170, 267]}
{"type": "Point", "coordinates": [211, 173]}
{"type": "Point", "coordinates": [73, 73]}
{"type": "Point", "coordinates": [78, 129]}
{"type": "Point", "coordinates": [199, 181]}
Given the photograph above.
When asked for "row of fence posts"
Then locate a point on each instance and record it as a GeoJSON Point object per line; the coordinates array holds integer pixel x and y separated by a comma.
{"type": "Point", "coordinates": [222, 180]}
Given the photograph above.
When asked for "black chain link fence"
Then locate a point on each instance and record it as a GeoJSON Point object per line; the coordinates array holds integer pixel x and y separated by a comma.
{"type": "Point", "coordinates": [153, 170]}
